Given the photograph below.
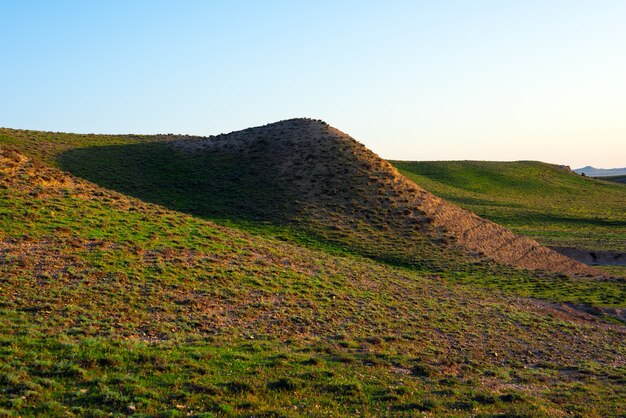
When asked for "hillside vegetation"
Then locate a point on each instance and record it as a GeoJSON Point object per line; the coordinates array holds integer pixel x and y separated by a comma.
{"type": "Point", "coordinates": [543, 201]}
{"type": "Point", "coordinates": [320, 182]}
{"type": "Point", "coordinates": [366, 213]}
{"type": "Point", "coordinates": [114, 305]}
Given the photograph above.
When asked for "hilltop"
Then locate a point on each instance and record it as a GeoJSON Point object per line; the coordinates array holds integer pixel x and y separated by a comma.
{"type": "Point", "coordinates": [113, 305]}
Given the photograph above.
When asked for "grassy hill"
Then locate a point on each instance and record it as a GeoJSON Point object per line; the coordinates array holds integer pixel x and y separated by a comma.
{"type": "Point", "coordinates": [112, 304]}
{"type": "Point", "coordinates": [316, 183]}
{"type": "Point", "coordinates": [543, 201]}
{"type": "Point", "coordinates": [365, 215]}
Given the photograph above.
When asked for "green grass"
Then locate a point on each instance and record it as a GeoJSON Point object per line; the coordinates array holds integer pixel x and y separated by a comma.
{"type": "Point", "coordinates": [542, 201]}
{"type": "Point", "coordinates": [113, 306]}
{"type": "Point", "coordinates": [239, 192]}
{"type": "Point", "coordinates": [234, 190]}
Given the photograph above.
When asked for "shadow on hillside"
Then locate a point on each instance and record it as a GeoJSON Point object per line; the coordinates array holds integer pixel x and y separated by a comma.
{"type": "Point", "coordinates": [213, 185]}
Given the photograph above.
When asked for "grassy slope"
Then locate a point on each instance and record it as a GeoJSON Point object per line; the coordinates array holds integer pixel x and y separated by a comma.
{"type": "Point", "coordinates": [540, 200]}
{"type": "Point", "coordinates": [232, 193]}
{"type": "Point", "coordinates": [111, 305]}
{"type": "Point", "coordinates": [311, 179]}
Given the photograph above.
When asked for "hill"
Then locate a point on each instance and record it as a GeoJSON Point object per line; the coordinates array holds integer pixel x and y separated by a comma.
{"type": "Point", "coordinates": [601, 172]}
{"type": "Point", "coordinates": [111, 305]}
{"type": "Point", "coordinates": [370, 211]}
{"type": "Point", "coordinates": [543, 201]}
{"type": "Point", "coordinates": [309, 176]}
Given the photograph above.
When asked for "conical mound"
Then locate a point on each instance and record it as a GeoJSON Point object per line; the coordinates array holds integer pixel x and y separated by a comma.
{"type": "Point", "coordinates": [319, 179]}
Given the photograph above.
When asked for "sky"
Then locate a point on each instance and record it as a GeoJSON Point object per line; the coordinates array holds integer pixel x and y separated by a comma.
{"type": "Point", "coordinates": [412, 80]}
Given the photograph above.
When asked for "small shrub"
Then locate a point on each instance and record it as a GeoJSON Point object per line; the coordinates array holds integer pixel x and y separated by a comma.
{"type": "Point", "coordinates": [284, 384]}
{"type": "Point", "coordinates": [484, 398]}
{"type": "Point", "coordinates": [422, 370]}
{"type": "Point", "coordinates": [426, 405]}
{"type": "Point", "coordinates": [238, 387]}
{"type": "Point", "coordinates": [342, 389]}
{"type": "Point", "coordinates": [512, 397]}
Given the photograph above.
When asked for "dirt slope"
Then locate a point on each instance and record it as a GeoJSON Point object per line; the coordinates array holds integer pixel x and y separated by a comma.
{"type": "Point", "coordinates": [340, 189]}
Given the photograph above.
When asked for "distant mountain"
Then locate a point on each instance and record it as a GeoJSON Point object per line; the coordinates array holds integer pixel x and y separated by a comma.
{"type": "Point", "coordinates": [601, 172]}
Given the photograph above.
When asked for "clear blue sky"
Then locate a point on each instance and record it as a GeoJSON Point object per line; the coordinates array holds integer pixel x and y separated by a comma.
{"type": "Point", "coordinates": [422, 80]}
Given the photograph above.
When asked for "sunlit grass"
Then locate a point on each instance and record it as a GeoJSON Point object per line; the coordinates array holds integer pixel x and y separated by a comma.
{"type": "Point", "coordinates": [109, 305]}
{"type": "Point", "coordinates": [543, 201]}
